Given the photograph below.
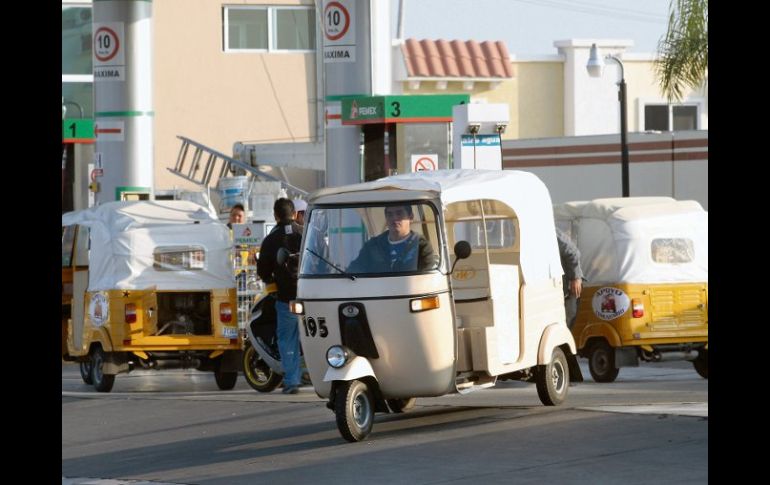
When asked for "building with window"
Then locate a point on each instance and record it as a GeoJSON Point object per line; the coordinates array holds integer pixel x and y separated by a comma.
{"type": "Point", "coordinates": [249, 72]}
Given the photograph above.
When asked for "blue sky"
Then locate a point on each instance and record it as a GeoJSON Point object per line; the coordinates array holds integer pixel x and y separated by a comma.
{"type": "Point", "coordinates": [529, 27]}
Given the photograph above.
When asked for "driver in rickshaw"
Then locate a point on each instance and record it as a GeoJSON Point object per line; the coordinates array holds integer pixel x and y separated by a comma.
{"type": "Point", "coordinates": [397, 249]}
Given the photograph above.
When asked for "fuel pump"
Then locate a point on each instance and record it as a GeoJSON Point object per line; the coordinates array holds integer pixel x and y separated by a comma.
{"type": "Point", "coordinates": [477, 131]}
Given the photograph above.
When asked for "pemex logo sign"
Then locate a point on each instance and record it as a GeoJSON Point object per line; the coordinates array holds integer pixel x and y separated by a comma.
{"type": "Point", "coordinates": [362, 110]}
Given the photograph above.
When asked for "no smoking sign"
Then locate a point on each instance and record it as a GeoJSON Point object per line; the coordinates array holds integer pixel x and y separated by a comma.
{"type": "Point", "coordinates": [424, 163]}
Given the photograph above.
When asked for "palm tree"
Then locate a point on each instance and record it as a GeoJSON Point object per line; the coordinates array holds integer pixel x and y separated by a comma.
{"type": "Point", "coordinates": [683, 52]}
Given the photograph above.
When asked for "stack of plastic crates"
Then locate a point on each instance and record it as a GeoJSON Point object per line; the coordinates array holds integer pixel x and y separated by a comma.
{"type": "Point", "coordinates": [247, 284]}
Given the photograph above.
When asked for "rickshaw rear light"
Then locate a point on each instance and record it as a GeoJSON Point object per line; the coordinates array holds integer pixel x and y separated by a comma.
{"type": "Point", "coordinates": [130, 312]}
{"type": "Point", "coordinates": [422, 304]}
{"type": "Point", "coordinates": [225, 313]}
{"type": "Point", "coordinates": [637, 308]}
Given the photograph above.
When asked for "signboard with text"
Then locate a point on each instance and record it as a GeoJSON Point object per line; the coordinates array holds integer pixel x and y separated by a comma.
{"type": "Point", "coordinates": [109, 52]}
{"type": "Point", "coordinates": [430, 108]}
{"type": "Point", "coordinates": [339, 31]}
{"type": "Point", "coordinates": [77, 131]}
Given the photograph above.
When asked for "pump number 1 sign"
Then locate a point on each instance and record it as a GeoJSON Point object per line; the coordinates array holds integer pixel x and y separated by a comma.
{"type": "Point", "coordinates": [339, 31]}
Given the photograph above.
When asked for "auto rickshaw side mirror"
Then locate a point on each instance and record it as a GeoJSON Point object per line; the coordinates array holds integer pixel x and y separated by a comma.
{"type": "Point", "coordinates": [462, 251]}
{"type": "Point", "coordinates": [282, 256]}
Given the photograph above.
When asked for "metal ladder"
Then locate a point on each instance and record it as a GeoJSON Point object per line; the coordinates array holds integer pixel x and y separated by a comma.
{"type": "Point", "coordinates": [201, 173]}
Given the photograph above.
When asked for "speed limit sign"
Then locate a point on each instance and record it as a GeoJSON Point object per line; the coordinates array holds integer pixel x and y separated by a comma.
{"type": "Point", "coordinates": [336, 20]}
{"type": "Point", "coordinates": [109, 44]}
{"type": "Point", "coordinates": [339, 31]}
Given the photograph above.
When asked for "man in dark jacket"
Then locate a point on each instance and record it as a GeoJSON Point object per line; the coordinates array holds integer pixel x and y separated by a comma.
{"type": "Point", "coordinates": [397, 249]}
{"type": "Point", "coordinates": [287, 234]}
{"type": "Point", "coordinates": [573, 275]}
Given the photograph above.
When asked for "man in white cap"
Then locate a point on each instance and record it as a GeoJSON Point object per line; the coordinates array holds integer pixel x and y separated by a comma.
{"type": "Point", "coordinates": [300, 206]}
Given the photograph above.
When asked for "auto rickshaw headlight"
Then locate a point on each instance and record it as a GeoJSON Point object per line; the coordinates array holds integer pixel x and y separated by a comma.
{"type": "Point", "coordinates": [337, 356]}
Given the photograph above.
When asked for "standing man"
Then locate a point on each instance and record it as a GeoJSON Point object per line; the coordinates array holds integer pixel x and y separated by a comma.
{"type": "Point", "coordinates": [300, 206]}
{"type": "Point", "coordinates": [287, 234]}
{"type": "Point", "coordinates": [573, 275]}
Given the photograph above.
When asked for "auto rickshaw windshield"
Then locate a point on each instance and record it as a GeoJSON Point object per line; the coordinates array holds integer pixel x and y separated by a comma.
{"type": "Point", "coordinates": [371, 240]}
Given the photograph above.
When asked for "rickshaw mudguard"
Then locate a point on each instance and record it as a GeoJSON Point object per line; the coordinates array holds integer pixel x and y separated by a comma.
{"type": "Point", "coordinates": [603, 330]}
{"type": "Point", "coordinates": [355, 369]}
{"type": "Point", "coordinates": [100, 335]}
{"type": "Point", "coordinates": [554, 336]}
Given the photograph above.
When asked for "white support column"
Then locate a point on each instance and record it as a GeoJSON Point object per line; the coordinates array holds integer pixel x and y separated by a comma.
{"type": "Point", "coordinates": [590, 104]}
{"type": "Point", "coordinates": [123, 112]}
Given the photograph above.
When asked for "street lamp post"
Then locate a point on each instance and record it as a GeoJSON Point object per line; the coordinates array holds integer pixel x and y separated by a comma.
{"type": "Point", "coordinates": [594, 66]}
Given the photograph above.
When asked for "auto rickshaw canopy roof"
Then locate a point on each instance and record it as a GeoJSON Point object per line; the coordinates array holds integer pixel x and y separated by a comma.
{"type": "Point", "coordinates": [522, 191]}
{"type": "Point", "coordinates": [125, 235]}
{"type": "Point", "coordinates": [617, 237]}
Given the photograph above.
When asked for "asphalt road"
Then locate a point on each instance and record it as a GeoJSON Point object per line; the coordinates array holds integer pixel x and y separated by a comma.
{"type": "Point", "coordinates": [177, 427]}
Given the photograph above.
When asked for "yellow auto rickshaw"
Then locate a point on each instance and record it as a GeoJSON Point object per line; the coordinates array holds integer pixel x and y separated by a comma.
{"type": "Point", "coordinates": [645, 260]}
{"type": "Point", "coordinates": [152, 287]}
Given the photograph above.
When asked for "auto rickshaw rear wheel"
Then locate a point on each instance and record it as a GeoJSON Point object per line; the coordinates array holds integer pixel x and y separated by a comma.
{"type": "Point", "coordinates": [102, 382]}
{"type": "Point", "coordinates": [552, 379]}
{"type": "Point", "coordinates": [601, 362]}
{"type": "Point", "coordinates": [701, 364]}
{"type": "Point", "coordinates": [401, 405]}
{"type": "Point", "coordinates": [85, 371]}
{"type": "Point", "coordinates": [258, 374]}
{"type": "Point", "coordinates": [354, 410]}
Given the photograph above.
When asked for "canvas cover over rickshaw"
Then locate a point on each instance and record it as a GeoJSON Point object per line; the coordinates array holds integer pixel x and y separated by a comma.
{"type": "Point", "coordinates": [152, 287]}
{"type": "Point", "coordinates": [645, 260]}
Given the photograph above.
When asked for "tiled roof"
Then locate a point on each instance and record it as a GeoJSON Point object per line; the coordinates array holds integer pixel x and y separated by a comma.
{"type": "Point", "coordinates": [461, 59]}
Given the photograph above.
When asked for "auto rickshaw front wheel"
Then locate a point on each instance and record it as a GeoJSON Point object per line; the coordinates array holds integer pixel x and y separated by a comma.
{"type": "Point", "coordinates": [354, 410]}
{"type": "Point", "coordinates": [258, 374]}
{"type": "Point", "coordinates": [102, 382]}
{"type": "Point", "coordinates": [701, 364]}
{"type": "Point", "coordinates": [552, 379]}
{"type": "Point", "coordinates": [601, 362]}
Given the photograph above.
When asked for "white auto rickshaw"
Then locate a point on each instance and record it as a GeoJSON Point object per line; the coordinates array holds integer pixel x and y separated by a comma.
{"type": "Point", "coordinates": [152, 287]}
{"type": "Point", "coordinates": [425, 320]}
{"type": "Point", "coordinates": [645, 260]}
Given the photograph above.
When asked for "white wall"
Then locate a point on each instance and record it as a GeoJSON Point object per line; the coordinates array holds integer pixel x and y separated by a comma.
{"type": "Point", "coordinates": [588, 167]}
